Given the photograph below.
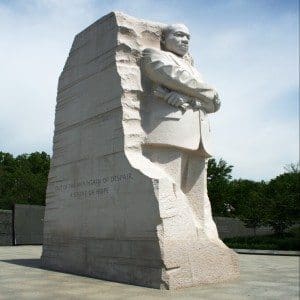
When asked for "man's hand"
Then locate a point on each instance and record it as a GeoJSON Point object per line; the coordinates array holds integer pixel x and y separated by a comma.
{"type": "Point", "coordinates": [217, 101]}
{"type": "Point", "coordinates": [216, 96]}
{"type": "Point", "coordinates": [176, 99]}
{"type": "Point", "coordinates": [196, 104]}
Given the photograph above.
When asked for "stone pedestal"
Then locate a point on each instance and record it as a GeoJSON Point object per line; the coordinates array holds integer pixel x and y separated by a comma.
{"type": "Point", "coordinates": [111, 211]}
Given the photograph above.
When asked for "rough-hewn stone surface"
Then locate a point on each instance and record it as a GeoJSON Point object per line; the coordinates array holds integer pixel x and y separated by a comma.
{"type": "Point", "coordinates": [111, 212]}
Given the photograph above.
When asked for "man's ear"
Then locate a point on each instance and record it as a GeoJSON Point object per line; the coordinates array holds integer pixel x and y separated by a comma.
{"type": "Point", "coordinates": [162, 43]}
{"type": "Point", "coordinates": [163, 37]}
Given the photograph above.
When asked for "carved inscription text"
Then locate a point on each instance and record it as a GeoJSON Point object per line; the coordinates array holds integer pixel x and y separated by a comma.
{"type": "Point", "coordinates": [93, 186]}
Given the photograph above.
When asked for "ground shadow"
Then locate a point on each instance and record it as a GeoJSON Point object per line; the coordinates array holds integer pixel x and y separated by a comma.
{"type": "Point", "coordinates": [32, 263]}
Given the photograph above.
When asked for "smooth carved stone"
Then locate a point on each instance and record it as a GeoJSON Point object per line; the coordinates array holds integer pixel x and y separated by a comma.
{"type": "Point", "coordinates": [127, 198]}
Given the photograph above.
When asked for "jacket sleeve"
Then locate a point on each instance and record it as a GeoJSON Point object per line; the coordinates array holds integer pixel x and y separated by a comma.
{"type": "Point", "coordinates": [161, 69]}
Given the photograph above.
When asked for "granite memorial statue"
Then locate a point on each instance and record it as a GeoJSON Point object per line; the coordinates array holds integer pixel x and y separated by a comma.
{"type": "Point", "coordinates": [126, 197]}
{"type": "Point", "coordinates": [179, 124]}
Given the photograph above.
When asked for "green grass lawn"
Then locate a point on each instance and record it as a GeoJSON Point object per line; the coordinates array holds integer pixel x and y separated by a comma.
{"type": "Point", "coordinates": [289, 241]}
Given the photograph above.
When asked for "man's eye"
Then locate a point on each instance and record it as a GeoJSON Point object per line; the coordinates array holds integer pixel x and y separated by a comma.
{"type": "Point", "coordinates": [182, 35]}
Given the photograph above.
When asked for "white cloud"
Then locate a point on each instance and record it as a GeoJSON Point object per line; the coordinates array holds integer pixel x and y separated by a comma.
{"type": "Point", "coordinates": [253, 65]}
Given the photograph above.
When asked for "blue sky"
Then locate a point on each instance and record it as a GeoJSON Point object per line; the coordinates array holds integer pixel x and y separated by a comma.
{"type": "Point", "coordinates": [248, 50]}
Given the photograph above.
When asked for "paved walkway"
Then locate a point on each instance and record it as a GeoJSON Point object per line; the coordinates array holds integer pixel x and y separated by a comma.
{"type": "Point", "coordinates": [262, 277]}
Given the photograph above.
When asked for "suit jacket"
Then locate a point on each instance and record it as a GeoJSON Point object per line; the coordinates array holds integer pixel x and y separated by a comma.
{"type": "Point", "coordinates": [165, 124]}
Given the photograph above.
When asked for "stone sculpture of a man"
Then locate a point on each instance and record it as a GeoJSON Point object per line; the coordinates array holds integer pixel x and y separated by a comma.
{"type": "Point", "coordinates": [175, 119]}
{"type": "Point", "coordinates": [137, 114]}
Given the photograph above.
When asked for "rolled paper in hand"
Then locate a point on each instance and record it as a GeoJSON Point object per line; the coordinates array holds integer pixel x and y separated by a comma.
{"type": "Point", "coordinates": [161, 93]}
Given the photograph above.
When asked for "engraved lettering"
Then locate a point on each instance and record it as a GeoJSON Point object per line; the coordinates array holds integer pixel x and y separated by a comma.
{"type": "Point", "coordinates": [95, 186]}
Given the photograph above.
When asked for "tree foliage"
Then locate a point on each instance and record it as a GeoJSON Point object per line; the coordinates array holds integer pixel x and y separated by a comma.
{"type": "Point", "coordinates": [248, 198]}
{"type": "Point", "coordinates": [23, 179]}
{"type": "Point", "coordinates": [274, 203]}
{"type": "Point", "coordinates": [283, 207]}
{"type": "Point", "coordinates": [218, 178]}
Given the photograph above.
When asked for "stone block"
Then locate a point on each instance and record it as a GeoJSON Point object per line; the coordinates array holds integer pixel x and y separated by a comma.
{"type": "Point", "coordinates": [118, 207]}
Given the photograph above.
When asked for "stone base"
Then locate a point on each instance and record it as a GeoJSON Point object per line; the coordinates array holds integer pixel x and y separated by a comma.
{"type": "Point", "coordinates": [163, 248]}
{"type": "Point", "coordinates": [202, 262]}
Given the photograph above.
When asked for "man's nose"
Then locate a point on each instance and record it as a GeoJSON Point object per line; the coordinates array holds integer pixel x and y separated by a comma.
{"type": "Point", "coordinates": [185, 40]}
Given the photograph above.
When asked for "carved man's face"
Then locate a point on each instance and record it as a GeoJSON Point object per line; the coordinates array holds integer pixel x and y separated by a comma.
{"type": "Point", "coordinates": [177, 39]}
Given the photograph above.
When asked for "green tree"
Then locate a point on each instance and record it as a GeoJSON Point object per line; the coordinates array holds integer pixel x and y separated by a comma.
{"type": "Point", "coordinates": [218, 178]}
{"type": "Point", "coordinates": [23, 179]}
{"type": "Point", "coordinates": [248, 198]}
{"type": "Point", "coordinates": [283, 205]}
{"type": "Point", "coordinates": [292, 168]}
{"type": "Point", "coordinates": [7, 169]}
